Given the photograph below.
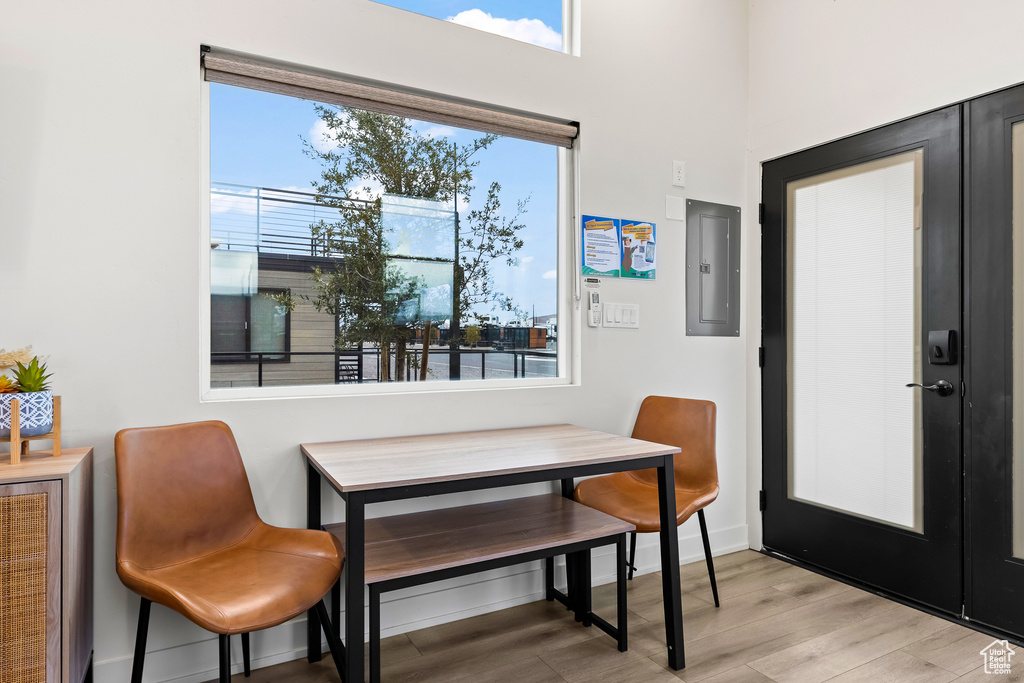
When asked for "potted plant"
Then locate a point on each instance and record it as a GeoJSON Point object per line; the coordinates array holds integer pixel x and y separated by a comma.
{"type": "Point", "coordinates": [31, 387]}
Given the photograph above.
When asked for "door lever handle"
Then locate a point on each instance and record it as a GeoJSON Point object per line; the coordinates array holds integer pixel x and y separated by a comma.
{"type": "Point", "coordinates": [941, 387]}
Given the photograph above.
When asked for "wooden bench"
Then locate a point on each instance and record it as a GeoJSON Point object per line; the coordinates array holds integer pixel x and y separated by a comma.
{"type": "Point", "coordinates": [423, 547]}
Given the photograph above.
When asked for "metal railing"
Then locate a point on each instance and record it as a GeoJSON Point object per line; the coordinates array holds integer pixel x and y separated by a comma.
{"type": "Point", "coordinates": [267, 220]}
{"type": "Point", "coordinates": [369, 366]}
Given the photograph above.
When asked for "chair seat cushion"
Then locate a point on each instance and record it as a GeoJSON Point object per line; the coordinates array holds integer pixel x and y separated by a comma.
{"type": "Point", "coordinates": [623, 496]}
{"type": "Point", "coordinates": [266, 578]}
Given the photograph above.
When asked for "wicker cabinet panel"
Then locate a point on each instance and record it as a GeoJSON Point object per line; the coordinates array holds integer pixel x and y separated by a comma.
{"type": "Point", "coordinates": [29, 581]}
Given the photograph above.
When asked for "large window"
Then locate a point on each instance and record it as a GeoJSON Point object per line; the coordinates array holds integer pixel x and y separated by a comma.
{"type": "Point", "coordinates": [370, 247]}
{"type": "Point", "coordinates": [538, 22]}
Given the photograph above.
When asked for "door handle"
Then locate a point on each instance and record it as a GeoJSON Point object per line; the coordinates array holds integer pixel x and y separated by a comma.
{"type": "Point", "coordinates": [941, 387]}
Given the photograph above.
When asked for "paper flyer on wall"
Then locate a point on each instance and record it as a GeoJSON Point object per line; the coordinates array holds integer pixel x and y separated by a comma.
{"type": "Point", "coordinates": [613, 247]}
{"type": "Point", "coordinates": [601, 247]}
{"type": "Point", "coordinates": [638, 252]}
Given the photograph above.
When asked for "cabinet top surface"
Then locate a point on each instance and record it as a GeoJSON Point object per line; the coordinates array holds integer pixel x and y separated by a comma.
{"type": "Point", "coordinates": [42, 464]}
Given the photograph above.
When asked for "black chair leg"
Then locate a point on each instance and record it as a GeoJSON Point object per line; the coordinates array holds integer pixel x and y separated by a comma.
{"type": "Point", "coordinates": [245, 654]}
{"type": "Point", "coordinates": [225, 658]}
{"type": "Point", "coordinates": [337, 649]}
{"type": "Point", "coordinates": [632, 555]}
{"type": "Point", "coordinates": [140, 641]}
{"type": "Point", "coordinates": [549, 578]}
{"type": "Point", "coordinates": [707, 553]}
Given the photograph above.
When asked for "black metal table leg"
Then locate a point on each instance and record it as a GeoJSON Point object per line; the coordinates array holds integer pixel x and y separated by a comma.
{"type": "Point", "coordinates": [670, 564]}
{"type": "Point", "coordinates": [374, 633]}
{"type": "Point", "coordinates": [354, 575]}
{"type": "Point", "coordinates": [583, 578]}
{"type": "Point", "coordinates": [571, 560]}
{"type": "Point", "coordinates": [549, 578]}
{"type": "Point", "coordinates": [620, 591]}
{"type": "Point", "coordinates": [313, 652]}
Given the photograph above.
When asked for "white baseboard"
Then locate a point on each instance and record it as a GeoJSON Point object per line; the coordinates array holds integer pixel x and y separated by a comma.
{"type": "Point", "coordinates": [408, 610]}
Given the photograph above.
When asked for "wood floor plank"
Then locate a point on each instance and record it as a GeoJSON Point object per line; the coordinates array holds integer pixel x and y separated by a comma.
{"type": "Point", "coordinates": [477, 656]}
{"type": "Point", "coordinates": [527, 670]}
{"type": "Point", "coordinates": [713, 655]}
{"type": "Point", "coordinates": [643, 597]}
{"type": "Point", "coordinates": [810, 587]}
{"type": "Point", "coordinates": [896, 667]}
{"type": "Point", "coordinates": [598, 660]}
{"type": "Point", "coordinates": [978, 675]}
{"type": "Point", "coordinates": [835, 653]}
{"type": "Point", "coordinates": [708, 619]}
{"type": "Point", "coordinates": [954, 648]}
{"type": "Point", "coordinates": [742, 580]}
{"type": "Point", "coordinates": [742, 674]}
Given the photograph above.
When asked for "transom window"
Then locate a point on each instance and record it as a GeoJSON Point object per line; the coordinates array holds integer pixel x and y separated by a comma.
{"type": "Point", "coordinates": [538, 22]}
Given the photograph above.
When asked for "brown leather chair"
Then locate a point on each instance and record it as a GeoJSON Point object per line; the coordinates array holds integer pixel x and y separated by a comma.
{"type": "Point", "coordinates": [633, 496]}
{"type": "Point", "coordinates": [189, 538]}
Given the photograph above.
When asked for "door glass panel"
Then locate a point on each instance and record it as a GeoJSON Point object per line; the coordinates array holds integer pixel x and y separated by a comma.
{"type": "Point", "coordinates": [853, 329]}
{"type": "Point", "coordinates": [1018, 342]}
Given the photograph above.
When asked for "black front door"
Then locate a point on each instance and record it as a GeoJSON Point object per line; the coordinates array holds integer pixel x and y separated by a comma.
{"type": "Point", "coordinates": [994, 408]}
{"type": "Point", "coordinates": [861, 297]}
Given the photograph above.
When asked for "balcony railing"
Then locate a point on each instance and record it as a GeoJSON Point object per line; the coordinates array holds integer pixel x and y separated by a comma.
{"type": "Point", "coordinates": [266, 220]}
{"type": "Point", "coordinates": [363, 365]}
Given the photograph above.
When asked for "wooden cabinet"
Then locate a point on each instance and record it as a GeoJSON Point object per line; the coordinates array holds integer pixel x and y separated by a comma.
{"type": "Point", "coordinates": [46, 568]}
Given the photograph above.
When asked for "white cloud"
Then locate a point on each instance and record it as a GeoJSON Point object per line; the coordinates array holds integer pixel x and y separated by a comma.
{"type": "Point", "coordinates": [550, 275]}
{"type": "Point", "coordinates": [231, 199]}
{"type": "Point", "coordinates": [532, 31]}
{"type": "Point", "coordinates": [525, 260]}
{"type": "Point", "coordinates": [320, 137]}
{"type": "Point", "coordinates": [439, 131]}
{"type": "Point", "coordinates": [366, 188]}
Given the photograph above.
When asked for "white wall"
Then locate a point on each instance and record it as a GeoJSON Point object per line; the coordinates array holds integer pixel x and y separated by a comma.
{"type": "Point", "coordinates": [824, 70]}
{"type": "Point", "coordinates": [100, 192]}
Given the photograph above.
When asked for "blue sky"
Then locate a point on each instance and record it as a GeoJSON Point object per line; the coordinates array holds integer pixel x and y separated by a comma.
{"type": "Point", "coordinates": [256, 139]}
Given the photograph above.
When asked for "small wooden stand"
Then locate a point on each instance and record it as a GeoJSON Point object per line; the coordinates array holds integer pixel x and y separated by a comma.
{"type": "Point", "coordinates": [19, 443]}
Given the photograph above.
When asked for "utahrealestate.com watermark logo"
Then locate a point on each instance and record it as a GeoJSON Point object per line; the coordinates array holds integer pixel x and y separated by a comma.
{"type": "Point", "coordinates": [997, 657]}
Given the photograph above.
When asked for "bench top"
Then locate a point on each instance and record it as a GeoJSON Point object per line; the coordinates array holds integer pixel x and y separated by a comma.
{"type": "Point", "coordinates": [423, 542]}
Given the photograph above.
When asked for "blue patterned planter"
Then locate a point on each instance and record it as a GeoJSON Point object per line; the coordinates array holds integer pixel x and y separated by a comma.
{"type": "Point", "coordinates": [35, 413]}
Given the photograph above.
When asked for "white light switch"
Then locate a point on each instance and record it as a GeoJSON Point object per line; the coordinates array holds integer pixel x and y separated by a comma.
{"type": "Point", "coordinates": [679, 173]}
{"type": "Point", "coordinates": [622, 315]}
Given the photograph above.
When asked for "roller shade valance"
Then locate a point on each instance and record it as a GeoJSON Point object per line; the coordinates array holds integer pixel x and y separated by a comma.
{"type": "Point", "coordinates": [251, 72]}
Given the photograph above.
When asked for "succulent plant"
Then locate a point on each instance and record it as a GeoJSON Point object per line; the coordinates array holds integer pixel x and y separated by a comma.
{"type": "Point", "coordinates": [8, 385]}
{"type": "Point", "coordinates": [32, 377]}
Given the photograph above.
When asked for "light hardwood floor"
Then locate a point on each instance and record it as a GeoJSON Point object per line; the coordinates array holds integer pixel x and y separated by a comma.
{"type": "Point", "coordinates": [777, 622]}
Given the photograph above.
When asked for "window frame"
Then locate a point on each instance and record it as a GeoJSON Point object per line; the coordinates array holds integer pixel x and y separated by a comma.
{"type": "Point", "coordinates": [568, 351]}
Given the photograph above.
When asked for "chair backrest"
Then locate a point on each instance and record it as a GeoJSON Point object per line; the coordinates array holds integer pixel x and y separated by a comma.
{"type": "Point", "coordinates": [182, 492]}
{"type": "Point", "coordinates": [688, 424]}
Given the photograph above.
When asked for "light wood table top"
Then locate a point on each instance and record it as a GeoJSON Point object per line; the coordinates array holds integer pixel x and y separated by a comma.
{"type": "Point", "coordinates": [423, 459]}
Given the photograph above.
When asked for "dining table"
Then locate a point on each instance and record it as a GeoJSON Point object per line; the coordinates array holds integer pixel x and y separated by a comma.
{"type": "Point", "coordinates": [367, 471]}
